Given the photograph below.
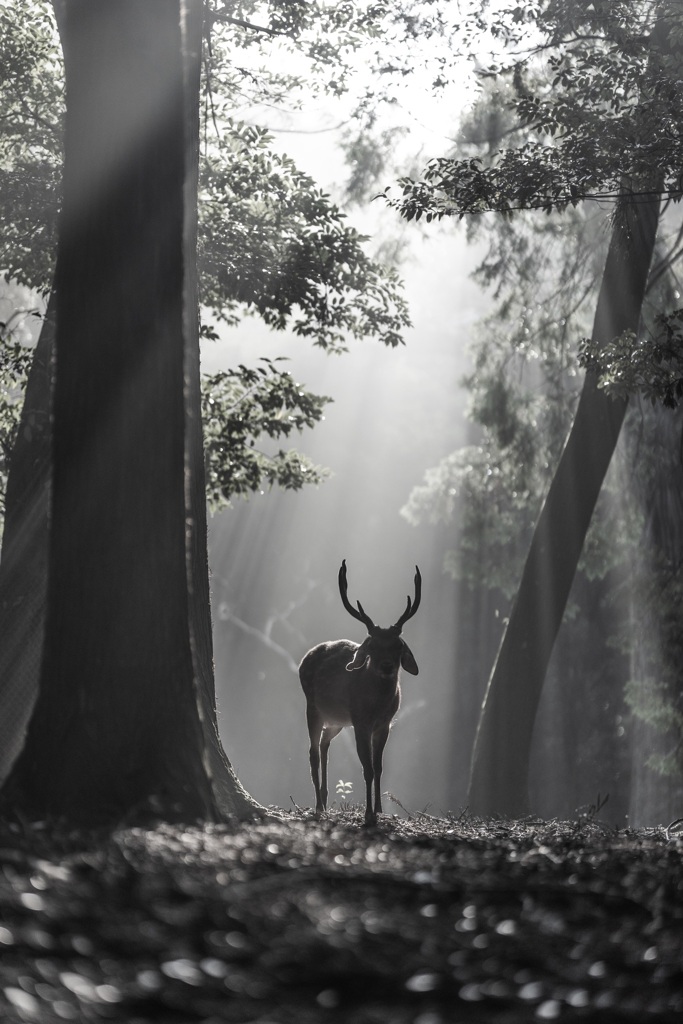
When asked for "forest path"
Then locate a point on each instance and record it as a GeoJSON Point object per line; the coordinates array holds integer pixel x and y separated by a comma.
{"type": "Point", "coordinates": [420, 920]}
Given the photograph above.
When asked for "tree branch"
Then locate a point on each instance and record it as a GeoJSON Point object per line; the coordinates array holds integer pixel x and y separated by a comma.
{"type": "Point", "coordinates": [227, 19]}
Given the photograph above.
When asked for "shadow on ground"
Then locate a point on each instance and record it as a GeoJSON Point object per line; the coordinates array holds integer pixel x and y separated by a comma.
{"type": "Point", "coordinates": [420, 920]}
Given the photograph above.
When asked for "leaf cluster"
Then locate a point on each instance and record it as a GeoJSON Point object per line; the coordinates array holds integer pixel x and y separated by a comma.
{"type": "Point", "coordinates": [644, 364]}
{"type": "Point", "coordinates": [15, 360]}
{"type": "Point", "coordinates": [272, 242]}
{"type": "Point", "coordinates": [321, 36]}
{"type": "Point", "coordinates": [494, 502]}
{"type": "Point", "coordinates": [597, 103]}
{"type": "Point", "coordinates": [522, 391]}
{"type": "Point", "coordinates": [31, 103]}
{"type": "Point", "coordinates": [242, 405]}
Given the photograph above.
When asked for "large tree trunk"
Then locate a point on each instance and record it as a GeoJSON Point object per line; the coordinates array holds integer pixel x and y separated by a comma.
{"type": "Point", "coordinates": [500, 760]}
{"type": "Point", "coordinates": [124, 721]}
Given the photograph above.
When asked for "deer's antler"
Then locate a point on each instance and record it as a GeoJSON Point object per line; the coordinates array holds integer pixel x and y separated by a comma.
{"type": "Point", "coordinates": [361, 615]}
{"type": "Point", "coordinates": [411, 606]}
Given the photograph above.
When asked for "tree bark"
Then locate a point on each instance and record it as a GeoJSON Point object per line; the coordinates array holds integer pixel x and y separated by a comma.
{"type": "Point", "coordinates": [500, 760]}
{"type": "Point", "coordinates": [228, 792]}
{"type": "Point", "coordinates": [23, 565]}
{"type": "Point", "coordinates": [124, 721]}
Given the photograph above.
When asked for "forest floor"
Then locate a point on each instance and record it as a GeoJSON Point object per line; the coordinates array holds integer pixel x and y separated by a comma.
{"type": "Point", "coordinates": [293, 920]}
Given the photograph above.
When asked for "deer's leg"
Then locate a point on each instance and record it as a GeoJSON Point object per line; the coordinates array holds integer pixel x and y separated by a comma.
{"type": "Point", "coordinates": [364, 748]}
{"type": "Point", "coordinates": [329, 732]}
{"type": "Point", "coordinates": [315, 728]}
{"type": "Point", "coordinates": [379, 739]}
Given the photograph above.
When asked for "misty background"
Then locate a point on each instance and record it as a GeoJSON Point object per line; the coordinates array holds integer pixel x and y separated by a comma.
{"type": "Point", "coordinates": [395, 412]}
{"type": "Point", "coordinates": [274, 561]}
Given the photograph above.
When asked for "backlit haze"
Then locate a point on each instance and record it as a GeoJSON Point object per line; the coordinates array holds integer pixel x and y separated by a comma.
{"type": "Point", "coordinates": [274, 559]}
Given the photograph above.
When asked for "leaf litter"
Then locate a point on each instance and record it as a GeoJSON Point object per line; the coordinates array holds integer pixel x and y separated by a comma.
{"type": "Point", "coordinates": [293, 919]}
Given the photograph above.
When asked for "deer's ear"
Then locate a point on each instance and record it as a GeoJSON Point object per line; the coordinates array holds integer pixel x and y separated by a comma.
{"type": "Point", "coordinates": [408, 661]}
{"type": "Point", "coordinates": [360, 658]}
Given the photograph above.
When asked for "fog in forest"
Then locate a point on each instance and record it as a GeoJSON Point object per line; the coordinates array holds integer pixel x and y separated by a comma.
{"type": "Point", "coordinates": [394, 414]}
{"type": "Point", "coordinates": [274, 559]}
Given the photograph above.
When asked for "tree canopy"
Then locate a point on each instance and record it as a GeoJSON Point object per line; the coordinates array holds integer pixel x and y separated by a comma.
{"type": "Point", "coordinates": [271, 243]}
{"type": "Point", "coordinates": [593, 101]}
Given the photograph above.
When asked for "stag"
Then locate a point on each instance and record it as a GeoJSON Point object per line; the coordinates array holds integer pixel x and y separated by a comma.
{"type": "Point", "coordinates": [356, 684]}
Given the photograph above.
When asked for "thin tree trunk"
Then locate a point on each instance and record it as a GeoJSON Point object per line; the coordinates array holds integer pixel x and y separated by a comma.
{"type": "Point", "coordinates": [500, 760]}
{"type": "Point", "coordinates": [228, 792]}
{"type": "Point", "coordinates": [125, 716]}
{"type": "Point", "coordinates": [23, 566]}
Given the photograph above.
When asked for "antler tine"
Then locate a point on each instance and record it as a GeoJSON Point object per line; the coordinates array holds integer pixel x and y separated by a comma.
{"type": "Point", "coordinates": [343, 589]}
{"type": "Point", "coordinates": [412, 606]}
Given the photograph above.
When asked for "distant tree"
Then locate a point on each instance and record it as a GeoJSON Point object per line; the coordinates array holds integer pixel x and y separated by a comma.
{"type": "Point", "coordinates": [542, 275]}
{"type": "Point", "coordinates": [648, 365]}
{"type": "Point", "coordinates": [592, 122]}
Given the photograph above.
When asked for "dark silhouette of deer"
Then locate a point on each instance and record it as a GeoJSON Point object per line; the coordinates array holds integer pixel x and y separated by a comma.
{"type": "Point", "coordinates": [356, 684]}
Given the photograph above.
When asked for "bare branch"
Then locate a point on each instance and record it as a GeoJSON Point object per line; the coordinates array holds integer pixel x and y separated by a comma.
{"type": "Point", "coordinates": [227, 615]}
{"type": "Point", "coordinates": [227, 19]}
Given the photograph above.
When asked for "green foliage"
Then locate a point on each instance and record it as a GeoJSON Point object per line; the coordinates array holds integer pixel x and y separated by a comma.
{"type": "Point", "coordinates": [270, 242]}
{"type": "Point", "coordinates": [494, 507]}
{"type": "Point", "coordinates": [31, 102]}
{"type": "Point", "coordinates": [18, 318]}
{"type": "Point", "coordinates": [523, 389]}
{"type": "Point", "coordinates": [595, 97]}
{"type": "Point", "coordinates": [244, 404]}
{"type": "Point", "coordinates": [317, 35]}
{"type": "Point", "coordinates": [273, 242]}
{"type": "Point", "coordinates": [649, 365]}
{"type": "Point", "coordinates": [584, 103]}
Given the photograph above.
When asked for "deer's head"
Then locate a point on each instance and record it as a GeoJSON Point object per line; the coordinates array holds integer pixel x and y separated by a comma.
{"type": "Point", "coordinates": [383, 650]}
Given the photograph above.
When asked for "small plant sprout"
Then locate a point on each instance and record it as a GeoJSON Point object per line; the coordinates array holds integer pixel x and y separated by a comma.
{"type": "Point", "coordinates": [344, 789]}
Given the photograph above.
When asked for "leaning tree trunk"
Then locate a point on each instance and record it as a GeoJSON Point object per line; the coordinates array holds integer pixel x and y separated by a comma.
{"type": "Point", "coordinates": [124, 719]}
{"type": "Point", "coordinates": [500, 760]}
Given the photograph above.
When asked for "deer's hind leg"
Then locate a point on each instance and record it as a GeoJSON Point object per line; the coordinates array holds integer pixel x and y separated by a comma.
{"type": "Point", "coordinates": [328, 734]}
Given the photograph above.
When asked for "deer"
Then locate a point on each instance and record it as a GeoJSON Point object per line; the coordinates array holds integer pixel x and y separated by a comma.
{"type": "Point", "coordinates": [346, 683]}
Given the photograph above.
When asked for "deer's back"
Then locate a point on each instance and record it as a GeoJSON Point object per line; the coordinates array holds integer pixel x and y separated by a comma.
{"type": "Point", "coordinates": [325, 681]}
